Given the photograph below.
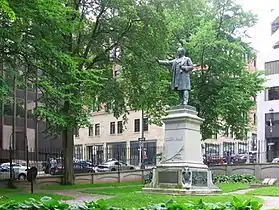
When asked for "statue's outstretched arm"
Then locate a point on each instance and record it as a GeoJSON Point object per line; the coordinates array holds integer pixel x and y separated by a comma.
{"type": "Point", "coordinates": [165, 62]}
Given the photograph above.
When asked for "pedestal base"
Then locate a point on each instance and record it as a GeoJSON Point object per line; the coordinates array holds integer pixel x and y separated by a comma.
{"type": "Point", "coordinates": [181, 170]}
{"type": "Point", "coordinates": [181, 178]}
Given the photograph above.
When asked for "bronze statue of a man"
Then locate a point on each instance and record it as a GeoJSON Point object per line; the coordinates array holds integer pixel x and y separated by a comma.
{"type": "Point", "coordinates": [181, 68]}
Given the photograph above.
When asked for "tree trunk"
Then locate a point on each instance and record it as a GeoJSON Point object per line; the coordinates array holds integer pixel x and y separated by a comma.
{"type": "Point", "coordinates": [68, 144]}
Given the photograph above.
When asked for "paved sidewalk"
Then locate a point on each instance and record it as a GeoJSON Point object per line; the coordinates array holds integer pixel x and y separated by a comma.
{"type": "Point", "coordinates": [80, 198]}
{"type": "Point", "coordinates": [269, 201]}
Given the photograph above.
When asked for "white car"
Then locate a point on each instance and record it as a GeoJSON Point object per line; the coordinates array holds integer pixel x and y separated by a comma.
{"type": "Point", "coordinates": [5, 173]}
{"type": "Point", "coordinates": [20, 170]}
{"type": "Point", "coordinates": [275, 160]}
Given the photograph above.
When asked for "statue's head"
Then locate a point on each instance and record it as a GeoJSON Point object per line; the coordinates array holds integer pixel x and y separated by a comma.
{"type": "Point", "coordinates": [181, 52]}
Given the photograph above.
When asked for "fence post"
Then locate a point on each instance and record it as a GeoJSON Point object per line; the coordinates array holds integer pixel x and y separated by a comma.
{"type": "Point", "coordinates": [92, 178]}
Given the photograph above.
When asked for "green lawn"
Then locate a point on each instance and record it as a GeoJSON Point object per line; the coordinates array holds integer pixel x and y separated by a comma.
{"type": "Point", "coordinates": [19, 195]}
{"type": "Point", "coordinates": [113, 191]}
{"type": "Point", "coordinates": [116, 190]}
{"type": "Point", "coordinates": [265, 191]}
{"type": "Point", "coordinates": [232, 187]}
{"type": "Point", "coordinates": [83, 186]}
{"type": "Point", "coordinates": [138, 200]}
{"type": "Point", "coordinates": [132, 197]}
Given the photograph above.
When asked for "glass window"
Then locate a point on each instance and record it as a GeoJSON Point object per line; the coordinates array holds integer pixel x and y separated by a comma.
{"type": "Point", "coordinates": [97, 129]}
{"type": "Point", "coordinates": [119, 127]}
{"type": "Point", "coordinates": [90, 130]}
{"type": "Point", "coordinates": [112, 127]}
{"type": "Point", "coordinates": [272, 118]}
{"type": "Point", "coordinates": [137, 125]}
{"type": "Point", "coordinates": [77, 132]}
{"type": "Point", "coordinates": [273, 93]}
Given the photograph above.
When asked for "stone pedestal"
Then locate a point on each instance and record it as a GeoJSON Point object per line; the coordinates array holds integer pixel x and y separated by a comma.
{"type": "Point", "coordinates": [182, 170]}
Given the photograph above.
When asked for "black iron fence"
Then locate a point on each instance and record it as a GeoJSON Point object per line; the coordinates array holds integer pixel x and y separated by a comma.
{"type": "Point", "coordinates": [50, 161]}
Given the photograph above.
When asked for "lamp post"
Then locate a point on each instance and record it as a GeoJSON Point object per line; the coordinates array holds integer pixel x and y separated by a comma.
{"type": "Point", "coordinates": [271, 134]}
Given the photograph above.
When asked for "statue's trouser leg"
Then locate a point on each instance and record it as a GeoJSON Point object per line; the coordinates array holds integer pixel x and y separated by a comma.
{"type": "Point", "coordinates": [184, 96]}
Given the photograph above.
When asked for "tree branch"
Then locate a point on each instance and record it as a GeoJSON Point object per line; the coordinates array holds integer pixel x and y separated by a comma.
{"type": "Point", "coordinates": [115, 44]}
{"type": "Point", "coordinates": [88, 47]}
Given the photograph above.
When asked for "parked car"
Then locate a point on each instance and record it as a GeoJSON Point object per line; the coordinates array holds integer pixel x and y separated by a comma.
{"type": "Point", "coordinates": [275, 160]}
{"type": "Point", "coordinates": [5, 173]}
{"type": "Point", "coordinates": [114, 165]}
{"type": "Point", "coordinates": [78, 168]}
{"type": "Point", "coordinates": [19, 170]}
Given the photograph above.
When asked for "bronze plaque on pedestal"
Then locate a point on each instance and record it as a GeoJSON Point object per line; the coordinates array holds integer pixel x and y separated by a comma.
{"type": "Point", "coordinates": [165, 177]}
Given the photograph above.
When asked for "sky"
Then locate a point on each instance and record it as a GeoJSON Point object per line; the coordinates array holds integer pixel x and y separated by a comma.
{"type": "Point", "coordinates": [260, 33]}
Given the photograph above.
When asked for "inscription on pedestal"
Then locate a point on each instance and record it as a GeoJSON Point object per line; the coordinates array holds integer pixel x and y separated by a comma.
{"type": "Point", "coordinates": [199, 178]}
{"type": "Point", "coordinates": [168, 177]}
{"type": "Point", "coordinates": [173, 147]}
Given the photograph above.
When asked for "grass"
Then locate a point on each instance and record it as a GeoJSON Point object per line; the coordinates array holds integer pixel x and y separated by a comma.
{"type": "Point", "coordinates": [265, 191]}
{"type": "Point", "coordinates": [131, 196]}
{"type": "Point", "coordinates": [83, 186]}
{"type": "Point", "coordinates": [19, 195]}
{"type": "Point", "coordinates": [232, 187]}
{"type": "Point", "coordinates": [113, 191]}
{"type": "Point", "coordinates": [138, 200]}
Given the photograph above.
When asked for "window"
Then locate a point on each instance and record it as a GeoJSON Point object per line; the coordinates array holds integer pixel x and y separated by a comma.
{"type": "Point", "coordinates": [242, 148]}
{"type": "Point", "coordinates": [112, 127]}
{"type": "Point", "coordinates": [90, 130]}
{"type": "Point", "coordinates": [255, 119]}
{"type": "Point", "coordinates": [145, 124]}
{"type": "Point", "coordinates": [272, 93]}
{"type": "Point", "coordinates": [119, 127]}
{"type": "Point", "coordinates": [77, 132]}
{"type": "Point", "coordinates": [97, 129]}
{"type": "Point", "coordinates": [78, 152]}
{"type": "Point", "coordinates": [272, 119]}
{"type": "Point", "coordinates": [137, 125]}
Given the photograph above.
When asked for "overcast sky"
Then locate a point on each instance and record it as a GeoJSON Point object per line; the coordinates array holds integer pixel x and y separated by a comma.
{"type": "Point", "coordinates": [260, 33]}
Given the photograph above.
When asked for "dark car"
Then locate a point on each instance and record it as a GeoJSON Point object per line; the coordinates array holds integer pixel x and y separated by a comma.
{"type": "Point", "coordinates": [78, 168]}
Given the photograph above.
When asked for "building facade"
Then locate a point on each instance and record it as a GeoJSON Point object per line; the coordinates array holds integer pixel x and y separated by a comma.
{"type": "Point", "coordinates": [18, 125]}
{"type": "Point", "coordinates": [108, 138]}
{"type": "Point", "coordinates": [268, 100]}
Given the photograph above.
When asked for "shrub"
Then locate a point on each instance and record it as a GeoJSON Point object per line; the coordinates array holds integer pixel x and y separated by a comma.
{"type": "Point", "coordinates": [235, 178]}
{"type": "Point", "coordinates": [49, 204]}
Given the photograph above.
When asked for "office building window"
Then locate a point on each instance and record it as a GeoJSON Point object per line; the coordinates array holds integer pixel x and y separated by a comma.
{"type": "Point", "coordinates": [119, 127]}
{"type": "Point", "coordinates": [137, 125]}
{"type": "Point", "coordinates": [272, 93]}
{"type": "Point", "coordinates": [76, 132]}
{"type": "Point", "coordinates": [145, 124]}
{"type": "Point", "coordinates": [112, 127]}
{"type": "Point", "coordinates": [90, 130]}
{"type": "Point", "coordinates": [272, 119]}
{"type": "Point", "coordinates": [255, 119]}
{"type": "Point", "coordinates": [97, 129]}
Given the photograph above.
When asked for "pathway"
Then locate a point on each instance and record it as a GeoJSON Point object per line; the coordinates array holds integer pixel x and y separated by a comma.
{"type": "Point", "coordinates": [80, 198]}
{"type": "Point", "coordinates": [269, 201]}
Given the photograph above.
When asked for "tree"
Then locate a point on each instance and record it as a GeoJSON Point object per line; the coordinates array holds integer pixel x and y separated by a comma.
{"type": "Point", "coordinates": [223, 92]}
{"type": "Point", "coordinates": [73, 43]}
{"type": "Point", "coordinates": [72, 50]}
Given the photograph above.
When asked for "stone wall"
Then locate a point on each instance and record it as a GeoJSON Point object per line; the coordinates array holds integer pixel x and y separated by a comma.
{"type": "Point", "coordinates": [94, 178]}
{"type": "Point", "coordinates": [261, 171]}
